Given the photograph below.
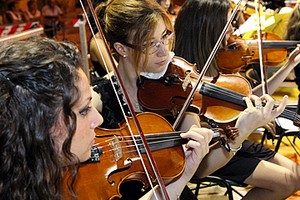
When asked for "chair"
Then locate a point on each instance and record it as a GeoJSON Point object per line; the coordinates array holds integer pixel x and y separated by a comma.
{"type": "Point", "coordinates": [253, 77]}
{"type": "Point", "coordinates": [210, 181]}
{"type": "Point", "coordinates": [284, 128]}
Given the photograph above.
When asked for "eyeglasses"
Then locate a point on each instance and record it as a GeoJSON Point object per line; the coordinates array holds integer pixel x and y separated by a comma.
{"type": "Point", "coordinates": [154, 46]}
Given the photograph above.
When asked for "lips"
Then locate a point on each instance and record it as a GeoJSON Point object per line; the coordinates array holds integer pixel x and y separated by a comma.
{"type": "Point", "coordinates": [163, 62]}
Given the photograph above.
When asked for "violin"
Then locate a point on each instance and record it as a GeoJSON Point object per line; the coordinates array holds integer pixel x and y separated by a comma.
{"type": "Point", "coordinates": [239, 52]}
{"type": "Point", "coordinates": [176, 85]}
{"type": "Point", "coordinates": [115, 157]}
{"type": "Point", "coordinates": [219, 98]}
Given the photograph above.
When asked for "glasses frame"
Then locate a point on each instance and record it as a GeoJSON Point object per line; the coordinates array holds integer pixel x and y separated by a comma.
{"type": "Point", "coordinates": [169, 35]}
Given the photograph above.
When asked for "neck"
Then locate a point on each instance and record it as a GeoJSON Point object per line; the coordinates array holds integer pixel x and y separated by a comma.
{"type": "Point", "coordinates": [127, 73]}
{"type": "Point", "coordinates": [129, 79]}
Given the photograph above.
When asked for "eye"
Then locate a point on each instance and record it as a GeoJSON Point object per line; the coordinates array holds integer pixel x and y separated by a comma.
{"type": "Point", "coordinates": [164, 36]}
{"type": "Point", "coordinates": [85, 110]}
{"type": "Point", "coordinates": [152, 43]}
{"type": "Point", "coordinates": [167, 33]}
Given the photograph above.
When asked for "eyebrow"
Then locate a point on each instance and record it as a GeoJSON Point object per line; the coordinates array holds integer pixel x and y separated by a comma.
{"type": "Point", "coordinates": [162, 34]}
{"type": "Point", "coordinates": [86, 101]}
{"type": "Point", "coordinates": [165, 31]}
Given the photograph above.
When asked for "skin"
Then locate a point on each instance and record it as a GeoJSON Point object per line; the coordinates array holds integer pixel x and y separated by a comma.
{"type": "Point", "coordinates": [165, 4]}
{"type": "Point", "coordinates": [156, 62]}
{"type": "Point", "coordinates": [88, 118]}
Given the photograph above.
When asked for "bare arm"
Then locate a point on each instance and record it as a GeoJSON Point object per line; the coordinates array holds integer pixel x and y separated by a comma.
{"type": "Point", "coordinates": [97, 44]}
{"type": "Point", "coordinates": [195, 150]}
{"type": "Point", "coordinates": [249, 120]}
{"type": "Point", "coordinates": [274, 81]}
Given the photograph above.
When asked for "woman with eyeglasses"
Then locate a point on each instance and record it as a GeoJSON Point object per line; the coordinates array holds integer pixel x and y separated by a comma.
{"type": "Point", "coordinates": [198, 26]}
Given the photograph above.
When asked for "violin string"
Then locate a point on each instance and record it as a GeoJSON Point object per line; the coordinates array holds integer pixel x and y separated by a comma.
{"type": "Point", "coordinates": [288, 114]}
{"type": "Point", "coordinates": [125, 140]}
{"type": "Point", "coordinates": [118, 99]}
{"type": "Point", "coordinates": [139, 144]}
{"type": "Point", "coordinates": [150, 142]}
{"type": "Point", "coordinates": [160, 134]}
{"type": "Point", "coordinates": [263, 71]}
{"type": "Point", "coordinates": [175, 136]}
{"type": "Point", "coordinates": [220, 90]}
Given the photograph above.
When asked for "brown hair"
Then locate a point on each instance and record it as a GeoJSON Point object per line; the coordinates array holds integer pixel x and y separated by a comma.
{"type": "Point", "coordinates": [133, 21]}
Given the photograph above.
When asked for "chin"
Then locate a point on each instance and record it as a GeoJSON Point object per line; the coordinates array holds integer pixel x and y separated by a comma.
{"type": "Point", "coordinates": [85, 157]}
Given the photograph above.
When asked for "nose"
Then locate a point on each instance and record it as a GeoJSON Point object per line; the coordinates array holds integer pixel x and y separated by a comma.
{"type": "Point", "coordinates": [97, 119]}
{"type": "Point", "coordinates": [162, 49]}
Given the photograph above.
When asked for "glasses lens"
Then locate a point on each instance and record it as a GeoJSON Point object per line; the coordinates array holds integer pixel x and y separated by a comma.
{"type": "Point", "coordinates": [166, 40]}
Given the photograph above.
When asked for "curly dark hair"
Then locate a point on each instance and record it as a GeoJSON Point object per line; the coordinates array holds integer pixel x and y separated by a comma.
{"type": "Point", "coordinates": [37, 91]}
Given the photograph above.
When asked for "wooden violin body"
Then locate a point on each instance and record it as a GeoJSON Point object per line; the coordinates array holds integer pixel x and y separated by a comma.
{"type": "Point", "coordinates": [172, 94]}
{"type": "Point", "coordinates": [119, 160]}
{"type": "Point", "coordinates": [219, 98]}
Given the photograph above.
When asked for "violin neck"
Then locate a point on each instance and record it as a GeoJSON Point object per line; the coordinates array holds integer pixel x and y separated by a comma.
{"type": "Point", "coordinates": [214, 91]}
{"type": "Point", "coordinates": [280, 44]}
{"type": "Point", "coordinates": [158, 141]}
{"type": "Point", "coordinates": [161, 141]}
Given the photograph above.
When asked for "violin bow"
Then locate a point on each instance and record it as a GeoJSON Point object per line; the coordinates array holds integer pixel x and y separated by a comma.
{"type": "Point", "coordinates": [206, 66]}
{"type": "Point", "coordinates": [263, 71]}
{"type": "Point", "coordinates": [131, 109]}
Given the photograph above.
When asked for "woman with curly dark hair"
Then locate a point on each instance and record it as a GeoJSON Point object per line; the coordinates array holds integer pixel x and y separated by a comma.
{"type": "Point", "coordinates": [42, 114]}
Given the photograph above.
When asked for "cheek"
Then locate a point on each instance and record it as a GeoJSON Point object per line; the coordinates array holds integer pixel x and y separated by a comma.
{"type": "Point", "coordinates": [149, 66]}
{"type": "Point", "coordinates": [83, 125]}
{"type": "Point", "coordinates": [81, 142]}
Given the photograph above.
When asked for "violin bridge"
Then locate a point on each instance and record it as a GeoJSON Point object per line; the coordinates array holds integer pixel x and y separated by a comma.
{"type": "Point", "coordinates": [116, 147]}
{"type": "Point", "coordinates": [186, 81]}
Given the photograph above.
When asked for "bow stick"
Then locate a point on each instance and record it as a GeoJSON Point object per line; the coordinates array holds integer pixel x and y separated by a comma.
{"type": "Point", "coordinates": [263, 71]}
{"type": "Point", "coordinates": [135, 120]}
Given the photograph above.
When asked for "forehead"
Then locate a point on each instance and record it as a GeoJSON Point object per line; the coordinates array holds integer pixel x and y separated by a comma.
{"type": "Point", "coordinates": [83, 82]}
{"type": "Point", "coordinates": [83, 85]}
{"type": "Point", "coordinates": [159, 28]}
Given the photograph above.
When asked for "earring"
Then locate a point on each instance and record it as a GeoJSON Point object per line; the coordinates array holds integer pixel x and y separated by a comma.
{"type": "Point", "coordinates": [124, 56]}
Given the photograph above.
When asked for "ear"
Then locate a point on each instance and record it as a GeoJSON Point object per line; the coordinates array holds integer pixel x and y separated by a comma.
{"type": "Point", "coordinates": [121, 49]}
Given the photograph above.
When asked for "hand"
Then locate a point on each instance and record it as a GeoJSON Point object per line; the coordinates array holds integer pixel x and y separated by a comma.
{"type": "Point", "coordinates": [271, 127]}
{"type": "Point", "coordinates": [196, 148]}
{"type": "Point", "coordinates": [257, 115]}
{"type": "Point", "coordinates": [294, 56]}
